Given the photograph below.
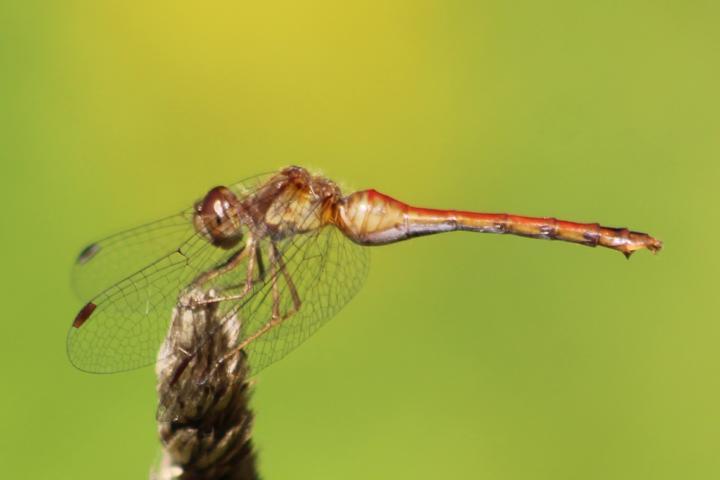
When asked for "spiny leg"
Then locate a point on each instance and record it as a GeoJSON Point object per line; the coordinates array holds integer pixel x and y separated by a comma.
{"type": "Point", "coordinates": [249, 252]}
{"type": "Point", "coordinates": [291, 285]}
{"type": "Point", "coordinates": [260, 264]}
{"type": "Point", "coordinates": [278, 266]}
{"type": "Point", "coordinates": [275, 287]}
{"type": "Point", "coordinates": [229, 265]}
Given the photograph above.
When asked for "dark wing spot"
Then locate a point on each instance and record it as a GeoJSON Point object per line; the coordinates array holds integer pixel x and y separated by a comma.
{"type": "Point", "coordinates": [87, 253]}
{"type": "Point", "coordinates": [84, 314]}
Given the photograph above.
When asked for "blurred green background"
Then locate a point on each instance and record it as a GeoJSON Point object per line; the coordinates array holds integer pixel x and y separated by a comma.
{"type": "Point", "coordinates": [465, 356]}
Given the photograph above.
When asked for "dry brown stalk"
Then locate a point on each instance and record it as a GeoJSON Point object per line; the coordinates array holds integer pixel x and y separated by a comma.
{"type": "Point", "coordinates": [204, 420]}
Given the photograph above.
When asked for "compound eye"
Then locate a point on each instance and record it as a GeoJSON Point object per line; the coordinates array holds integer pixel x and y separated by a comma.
{"type": "Point", "coordinates": [217, 217]}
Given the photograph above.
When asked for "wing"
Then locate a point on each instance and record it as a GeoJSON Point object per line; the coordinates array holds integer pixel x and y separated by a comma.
{"type": "Point", "coordinates": [123, 326]}
{"type": "Point", "coordinates": [332, 272]}
{"type": "Point", "coordinates": [133, 279]}
{"type": "Point", "coordinates": [323, 272]}
{"type": "Point", "coordinates": [108, 261]}
{"type": "Point", "coordinates": [112, 259]}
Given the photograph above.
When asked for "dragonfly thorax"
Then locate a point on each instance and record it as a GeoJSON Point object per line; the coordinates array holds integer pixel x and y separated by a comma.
{"type": "Point", "coordinates": [218, 219]}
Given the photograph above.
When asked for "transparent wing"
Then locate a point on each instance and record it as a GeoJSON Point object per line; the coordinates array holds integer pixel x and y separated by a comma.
{"type": "Point", "coordinates": [108, 261]}
{"type": "Point", "coordinates": [323, 273]}
{"type": "Point", "coordinates": [128, 321]}
{"type": "Point", "coordinates": [202, 335]}
{"type": "Point", "coordinates": [304, 278]}
{"type": "Point", "coordinates": [133, 280]}
{"type": "Point", "coordinates": [322, 269]}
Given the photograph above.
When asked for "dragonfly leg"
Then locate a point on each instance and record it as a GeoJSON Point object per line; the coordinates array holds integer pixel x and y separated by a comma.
{"type": "Point", "coordinates": [278, 267]}
{"type": "Point", "coordinates": [230, 264]}
{"type": "Point", "coordinates": [274, 253]}
{"type": "Point", "coordinates": [247, 252]}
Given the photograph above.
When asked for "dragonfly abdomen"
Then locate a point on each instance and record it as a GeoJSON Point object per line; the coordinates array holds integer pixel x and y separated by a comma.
{"type": "Point", "coordinates": [372, 218]}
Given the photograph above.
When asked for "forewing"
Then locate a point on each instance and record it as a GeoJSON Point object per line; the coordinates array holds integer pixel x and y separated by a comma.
{"type": "Point", "coordinates": [133, 280]}
{"type": "Point", "coordinates": [128, 321]}
{"type": "Point", "coordinates": [112, 259]}
{"type": "Point", "coordinates": [106, 262]}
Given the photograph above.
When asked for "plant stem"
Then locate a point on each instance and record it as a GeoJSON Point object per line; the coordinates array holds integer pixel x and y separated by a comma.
{"type": "Point", "coordinates": [204, 420]}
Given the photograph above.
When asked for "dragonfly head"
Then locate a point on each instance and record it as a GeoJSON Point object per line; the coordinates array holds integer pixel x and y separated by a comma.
{"type": "Point", "coordinates": [217, 218]}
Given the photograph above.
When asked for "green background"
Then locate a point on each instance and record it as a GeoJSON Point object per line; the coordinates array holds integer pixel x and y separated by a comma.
{"type": "Point", "coordinates": [465, 356]}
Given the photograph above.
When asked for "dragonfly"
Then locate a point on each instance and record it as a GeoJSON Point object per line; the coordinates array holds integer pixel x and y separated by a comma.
{"type": "Point", "coordinates": [285, 250]}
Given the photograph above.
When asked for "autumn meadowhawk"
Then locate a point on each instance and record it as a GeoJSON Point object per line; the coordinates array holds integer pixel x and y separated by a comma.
{"type": "Point", "coordinates": [286, 251]}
